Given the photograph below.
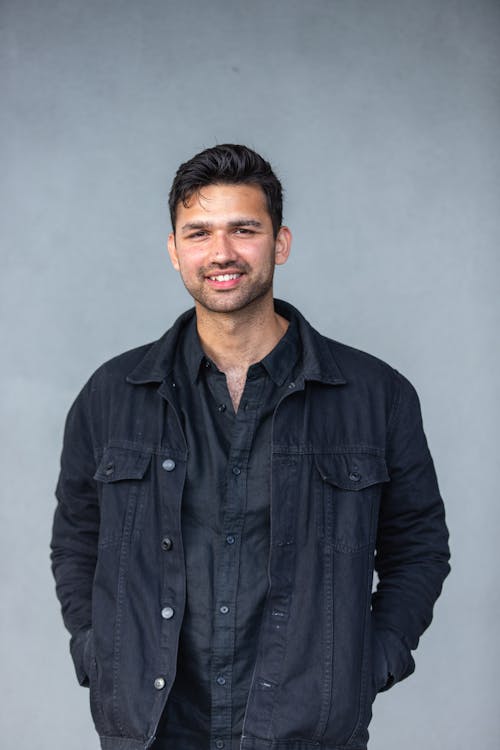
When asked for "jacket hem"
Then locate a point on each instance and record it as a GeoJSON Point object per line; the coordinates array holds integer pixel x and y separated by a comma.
{"type": "Point", "coordinates": [122, 743]}
{"type": "Point", "coordinates": [257, 743]}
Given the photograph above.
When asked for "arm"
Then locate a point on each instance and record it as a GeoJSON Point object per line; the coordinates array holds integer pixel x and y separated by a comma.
{"type": "Point", "coordinates": [75, 531]}
{"type": "Point", "coordinates": [412, 541]}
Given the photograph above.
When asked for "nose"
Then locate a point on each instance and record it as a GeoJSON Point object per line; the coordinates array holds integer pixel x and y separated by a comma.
{"type": "Point", "coordinates": [222, 250]}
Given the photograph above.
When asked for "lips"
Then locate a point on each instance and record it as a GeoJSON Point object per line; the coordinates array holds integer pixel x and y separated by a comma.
{"type": "Point", "coordinates": [225, 276]}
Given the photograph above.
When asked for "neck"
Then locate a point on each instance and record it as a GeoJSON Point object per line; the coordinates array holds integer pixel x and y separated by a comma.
{"type": "Point", "coordinates": [236, 340]}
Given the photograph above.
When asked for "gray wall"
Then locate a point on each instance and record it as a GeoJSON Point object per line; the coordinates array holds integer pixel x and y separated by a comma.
{"type": "Point", "coordinates": [381, 117]}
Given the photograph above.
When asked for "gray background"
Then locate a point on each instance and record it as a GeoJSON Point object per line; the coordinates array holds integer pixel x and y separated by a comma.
{"type": "Point", "coordinates": [381, 117]}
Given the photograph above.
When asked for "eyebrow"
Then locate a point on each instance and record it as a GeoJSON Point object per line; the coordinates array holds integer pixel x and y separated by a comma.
{"type": "Point", "coordinates": [242, 222]}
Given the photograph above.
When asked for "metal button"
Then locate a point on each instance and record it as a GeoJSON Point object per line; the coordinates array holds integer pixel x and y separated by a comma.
{"type": "Point", "coordinates": [220, 680]}
{"type": "Point", "coordinates": [222, 407]}
{"type": "Point", "coordinates": [230, 539]}
{"type": "Point", "coordinates": [291, 385]}
{"type": "Point", "coordinates": [354, 476]}
{"type": "Point", "coordinates": [159, 683]}
{"type": "Point", "coordinates": [167, 613]}
{"type": "Point", "coordinates": [168, 464]}
{"type": "Point", "coordinates": [109, 469]}
{"type": "Point", "coordinates": [224, 610]}
{"type": "Point", "coordinates": [219, 744]}
{"type": "Point", "coordinates": [166, 543]}
{"type": "Point", "coordinates": [236, 471]}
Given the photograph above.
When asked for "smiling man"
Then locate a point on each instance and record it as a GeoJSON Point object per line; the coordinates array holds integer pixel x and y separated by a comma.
{"type": "Point", "coordinates": [225, 496]}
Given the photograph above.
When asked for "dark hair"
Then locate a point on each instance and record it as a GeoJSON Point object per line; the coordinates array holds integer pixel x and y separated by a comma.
{"type": "Point", "coordinates": [229, 164]}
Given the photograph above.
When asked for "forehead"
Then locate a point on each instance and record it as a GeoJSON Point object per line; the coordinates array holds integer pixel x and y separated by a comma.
{"type": "Point", "coordinates": [224, 201]}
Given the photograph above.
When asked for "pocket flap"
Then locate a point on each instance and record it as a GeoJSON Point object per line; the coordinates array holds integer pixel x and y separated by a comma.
{"type": "Point", "coordinates": [122, 463]}
{"type": "Point", "coordinates": [352, 471]}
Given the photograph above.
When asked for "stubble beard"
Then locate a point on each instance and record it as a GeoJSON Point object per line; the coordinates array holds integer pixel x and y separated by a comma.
{"type": "Point", "coordinates": [231, 300]}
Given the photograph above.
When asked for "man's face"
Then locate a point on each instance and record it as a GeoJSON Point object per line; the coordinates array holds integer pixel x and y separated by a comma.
{"type": "Point", "coordinates": [224, 247]}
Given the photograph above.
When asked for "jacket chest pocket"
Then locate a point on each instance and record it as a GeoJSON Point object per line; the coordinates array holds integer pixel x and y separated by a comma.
{"type": "Point", "coordinates": [122, 480]}
{"type": "Point", "coordinates": [350, 486]}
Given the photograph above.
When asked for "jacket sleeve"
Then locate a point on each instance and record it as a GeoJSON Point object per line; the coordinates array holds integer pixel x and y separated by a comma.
{"type": "Point", "coordinates": [75, 531]}
{"type": "Point", "coordinates": [412, 541]}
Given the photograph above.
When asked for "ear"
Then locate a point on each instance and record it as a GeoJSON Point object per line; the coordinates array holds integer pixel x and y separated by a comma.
{"type": "Point", "coordinates": [172, 251]}
{"type": "Point", "coordinates": [282, 246]}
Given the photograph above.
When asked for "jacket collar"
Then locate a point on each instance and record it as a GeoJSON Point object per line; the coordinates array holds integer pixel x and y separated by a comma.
{"type": "Point", "coordinates": [318, 361]}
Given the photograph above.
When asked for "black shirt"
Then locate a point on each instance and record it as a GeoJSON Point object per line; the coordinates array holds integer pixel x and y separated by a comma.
{"type": "Point", "coordinates": [225, 529]}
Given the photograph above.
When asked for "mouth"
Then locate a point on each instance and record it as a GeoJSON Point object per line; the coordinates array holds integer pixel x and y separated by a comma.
{"type": "Point", "coordinates": [224, 280]}
{"type": "Point", "coordinates": [225, 276]}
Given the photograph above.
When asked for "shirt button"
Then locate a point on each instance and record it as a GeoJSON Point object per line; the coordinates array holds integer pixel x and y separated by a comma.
{"type": "Point", "coordinates": [354, 476]}
{"type": "Point", "coordinates": [219, 744]}
{"type": "Point", "coordinates": [222, 407]}
{"type": "Point", "coordinates": [168, 464]}
{"type": "Point", "coordinates": [224, 610]}
{"type": "Point", "coordinates": [220, 680]}
{"type": "Point", "coordinates": [167, 613]}
{"type": "Point", "coordinates": [236, 471]}
{"type": "Point", "coordinates": [230, 539]}
{"type": "Point", "coordinates": [291, 385]}
{"type": "Point", "coordinates": [159, 683]}
{"type": "Point", "coordinates": [166, 543]}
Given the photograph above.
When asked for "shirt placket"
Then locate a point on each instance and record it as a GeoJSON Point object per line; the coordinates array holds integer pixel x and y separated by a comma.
{"type": "Point", "coordinates": [229, 553]}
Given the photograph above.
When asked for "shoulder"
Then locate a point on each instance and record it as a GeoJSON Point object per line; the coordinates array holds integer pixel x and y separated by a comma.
{"type": "Point", "coordinates": [121, 365]}
{"type": "Point", "coordinates": [340, 362]}
{"type": "Point", "coordinates": [360, 366]}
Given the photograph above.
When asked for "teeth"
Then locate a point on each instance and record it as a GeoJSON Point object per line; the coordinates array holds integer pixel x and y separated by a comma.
{"type": "Point", "coordinates": [226, 276]}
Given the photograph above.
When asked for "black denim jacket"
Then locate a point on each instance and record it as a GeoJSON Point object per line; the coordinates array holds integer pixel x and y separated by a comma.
{"type": "Point", "coordinates": [353, 488]}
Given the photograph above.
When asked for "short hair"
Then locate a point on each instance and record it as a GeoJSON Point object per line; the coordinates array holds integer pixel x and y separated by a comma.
{"type": "Point", "coordinates": [227, 164]}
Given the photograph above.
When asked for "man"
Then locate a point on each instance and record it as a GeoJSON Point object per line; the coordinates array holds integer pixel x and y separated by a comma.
{"type": "Point", "coordinates": [225, 494]}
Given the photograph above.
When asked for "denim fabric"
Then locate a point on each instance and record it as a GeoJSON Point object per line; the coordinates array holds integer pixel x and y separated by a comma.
{"type": "Point", "coordinates": [352, 488]}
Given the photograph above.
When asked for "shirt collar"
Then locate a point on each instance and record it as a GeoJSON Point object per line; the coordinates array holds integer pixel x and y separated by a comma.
{"type": "Point", "coordinates": [317, 359]}
{"type": "Point", "coordinates": [191, 351]}
{"type": "Point", "coordinates": [278, 363]}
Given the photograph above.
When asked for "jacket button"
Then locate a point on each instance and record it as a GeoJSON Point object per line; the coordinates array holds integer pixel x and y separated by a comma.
{"type": "Point", "coordinates": [354, 476]}
{"type": "Point", "coordinates": [166, 543]}
{"type": "Point", "coordinates": [167, 613]}
{"type": "Point", "coordinates": [224, 609]}
{"type": "Point", "coordinates": [219, 744]}
{"type": "Point", "coordinates": [236, 471]}
{"type": "Point", "coordinates": [168, 464]}
{"type": "Point", "coordinates": [220, 680]}
{"type": "Point", "coordinates": [230, 539]}
{"type": "Point", "coordinates": [109, 469]}
{"type": "Point", "coordinates": [159, 683]}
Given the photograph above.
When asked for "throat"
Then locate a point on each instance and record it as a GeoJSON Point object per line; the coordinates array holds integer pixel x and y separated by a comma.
{"type": "Point", "coordinates": [236, 378]}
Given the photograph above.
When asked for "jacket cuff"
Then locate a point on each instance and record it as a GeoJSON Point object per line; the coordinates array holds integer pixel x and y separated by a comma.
{"type": "Point", "coordinates": [399, 663]}
{"type": "Point", "coordinates": [79, 648]}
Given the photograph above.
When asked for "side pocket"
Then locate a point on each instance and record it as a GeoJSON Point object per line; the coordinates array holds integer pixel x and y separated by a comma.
{"type": "Point", "coordinates": [87, 652]}
{"type": "Point", "coordinates": [380, 675]}
{"type": "Point", "coordinates": [79, 650]}
{"type": "Point", "coordinates": [96, 708]}
{"type": "Point", "coordinates": [392, 660]}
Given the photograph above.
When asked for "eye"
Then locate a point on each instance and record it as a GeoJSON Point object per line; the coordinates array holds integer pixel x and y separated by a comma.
{"type": "Point", "coordinates": [244, 230]}
{"type": "Point", "coordinates": [196, 235]}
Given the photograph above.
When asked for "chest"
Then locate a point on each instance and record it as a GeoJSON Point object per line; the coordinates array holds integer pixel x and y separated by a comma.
{"type": "Point", "coordinates": [235, 380]}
